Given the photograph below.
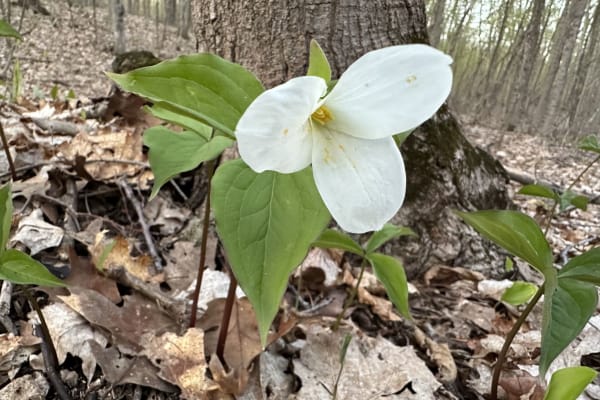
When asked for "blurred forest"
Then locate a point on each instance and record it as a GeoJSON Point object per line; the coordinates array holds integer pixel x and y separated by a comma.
{"type": "Point", "coordinates": [527, 65]}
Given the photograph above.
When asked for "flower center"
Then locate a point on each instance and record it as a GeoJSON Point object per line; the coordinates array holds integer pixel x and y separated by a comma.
{"type": "Point", "coordinates": [322, 115]}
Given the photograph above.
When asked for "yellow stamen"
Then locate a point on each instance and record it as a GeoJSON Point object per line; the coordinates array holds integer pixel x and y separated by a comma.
{"type": "Point", "coordinates": [322, 115]}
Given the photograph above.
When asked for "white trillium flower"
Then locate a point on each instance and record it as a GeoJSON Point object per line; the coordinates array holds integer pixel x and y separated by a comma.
{"type": "Point", "coordinates": [347, 135]}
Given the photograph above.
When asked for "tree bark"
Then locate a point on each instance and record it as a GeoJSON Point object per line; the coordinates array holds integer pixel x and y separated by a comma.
{"type": "Point", "coordinates": [119, 26]}
{"type": "Point", "coordinates": [444, 171]}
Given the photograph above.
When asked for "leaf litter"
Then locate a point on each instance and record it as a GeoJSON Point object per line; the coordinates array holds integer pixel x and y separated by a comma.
{"type": "Point", "coordinates": [118, 336]}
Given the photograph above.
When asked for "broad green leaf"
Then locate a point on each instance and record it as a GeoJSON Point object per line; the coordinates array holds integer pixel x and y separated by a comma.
{"type": "Point", "coordinates": [172, 153]}
{"type": "Point", "coordinates": [5, 215]}
{"type": "Point", "coordinates": [569, 198]}
{"type": "Point", "coordinates": [590, 143]}
{"type": "Point", "coordinates": [569, 383]}
{"type": "Point", "coordinates": [267, 223]}
{"type": "Point", "coordinates": [185, 121]}
{"type": "Point", "coordinates": [6, 30]}
{"type": "Point", "coordinates": [538, 191]}
{"type": "Point", "coordinates": [585, 267]}
{"type": "Point", "coordinates": [515, 232]}
{"type": "Point", "coordinates": [391, 273]}
{"type": "Point", "coordinates": [387, 233]}
{"type": "Point", "coordinates": [332, 239]}
{"type": "Point", "coordinates": [18, 267]}
{"type": "Point", "coordinates": [568, 305]}
{"type": "Point", "coordinates": [317, 62]}
{"type": "Point", "coordinates": [519, 293]}
{"type": "Point", "coordinates": [203, 86]}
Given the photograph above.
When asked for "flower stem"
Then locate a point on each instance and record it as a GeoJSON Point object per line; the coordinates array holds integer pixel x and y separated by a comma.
{"type": "Point", "coordinates": [11, 165]}
{"type": "Point", "coordinates": [224, 329]}
{"type": "Point", "coordinates": [202, 262]}
{"type": "Point", "coordinates": [353, 295]}
{"type": "Point", "coordinates": [509, 338]}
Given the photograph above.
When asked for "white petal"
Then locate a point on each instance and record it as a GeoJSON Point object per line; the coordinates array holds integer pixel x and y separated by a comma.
{"type": "Point", "coordinates": [389, 91]}
{"type": "Point", "coordinates": [273, 134]}
{"type": "Point", "coordinates": [362, 182]}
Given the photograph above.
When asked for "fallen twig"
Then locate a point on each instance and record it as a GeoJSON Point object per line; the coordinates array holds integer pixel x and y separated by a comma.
{"type": "Point", "coordinates": [5, 297]}
{"type": "Point", "coordinates": [142, 220]}
{"type": "Point", "coordinates": [48, 350]}
{"type": "Point", "coordinates": [56, 126]}
{"type": "Point", "coordinates": [11, 165]}
{"type": "Point", "coordinates": [527, 179]}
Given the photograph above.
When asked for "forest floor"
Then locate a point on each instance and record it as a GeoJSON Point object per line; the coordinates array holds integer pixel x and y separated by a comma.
{"type": "Point", "coordinates": [81, 200]}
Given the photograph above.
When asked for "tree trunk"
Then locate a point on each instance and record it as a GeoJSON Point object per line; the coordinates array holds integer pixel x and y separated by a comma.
{"type": "Point", "coordinates": [170, 12]}
{"type": "Point", "coordinates": [518, 112]}
{"type": "Point", "coordinates": [444, 170]}
{"type": "Point", "coordinates": [437, 22]}
{"type": "Point", "coordinates": [119, 26]}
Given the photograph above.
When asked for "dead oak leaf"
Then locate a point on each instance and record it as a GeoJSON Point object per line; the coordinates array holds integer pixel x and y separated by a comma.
{"type": "Point", "coordinates": [71, 334]}
{"type": "Point", "coordinates": [181, 361]}
{"type": "Point", "coordinates": [84, 274]}
{"type": "Point", "coordinates": [242, 346]}
{"type": "Point", "coordinates": [128, 323]}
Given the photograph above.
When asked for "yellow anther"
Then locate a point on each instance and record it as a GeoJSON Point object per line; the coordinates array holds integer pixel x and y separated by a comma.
{"type": "Point", "coordinates": [322, 115]}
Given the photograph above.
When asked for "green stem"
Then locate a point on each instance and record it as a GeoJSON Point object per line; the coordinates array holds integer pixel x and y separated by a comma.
{"type": "Point", "coordinates": [509, 339]}
{"type": "Point", "coordinates": [353, 295]}
{"type": "Point", "coordinates": [11, 165]}
{"type": "Point", "coordinates": [202, 262]}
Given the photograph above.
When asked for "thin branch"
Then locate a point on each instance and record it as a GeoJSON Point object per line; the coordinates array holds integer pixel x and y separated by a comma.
{"type": "Point", "coordinates": [224, 329]}
{"type": "Point", "coordinates": [142, 220]}
{"type": "Point", "coordinates": [11, 165]}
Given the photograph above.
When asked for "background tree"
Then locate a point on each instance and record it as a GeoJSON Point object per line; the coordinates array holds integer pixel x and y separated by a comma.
{"type": "Point", "coordinates": [444, 170]}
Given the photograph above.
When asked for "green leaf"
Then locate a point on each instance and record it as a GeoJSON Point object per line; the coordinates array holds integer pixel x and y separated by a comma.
{"type": "Point", "coordinates": [54, 92]}
{"type": "Point", "coordinates": [585, 267]}
{"type": "Point", "coordinates": [332, 239]}
{"type": "Point", "coordinates": [568, 305]}
{"type": "Point", "coordinates": [538, 191]}
{"type": "Point", "coordinates": [508, 264]}
{"type": "Point", "coordinates": [17, 79]}
{"type": "Point", "coordinates": [317, 62]}
{"type": "Point", "coordinates": [267, 223]}
{"type": "Point", "coordinates": [344, 347]}
{"type": "Point", "coordinates": [590, 143]}
{"type": "Point", "coordinates": [6, 30]}
{"type": "Point", "coordinates": [172, 153]}
{"type": "Point", "coordinates": [515, 232]}
{"type": "Point", "coordinates": [519, 293]}
{"type": "Point", "coordinates": [202, 86]}
{"type": "Point", "coordinates": [569, 198]}
{"type": "Point", "coordinates": [391, 273]}
{"type": "Point", "coordinates": [387, 233]}
{"type": "Point", "coordinates": [6, 210]}
{"type": "Point", "coordinates": [185, 121]}
{"type": "Point", "coordinates": [569, 383]}
{"type": "Point", "coordinates": [401, 137]}
{"type": "Point", "coordinates": [18, 267]}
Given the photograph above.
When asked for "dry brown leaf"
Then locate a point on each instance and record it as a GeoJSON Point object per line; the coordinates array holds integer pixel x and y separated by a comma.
{"type": "Point", "coordinates": [373, 367]}
{"type": "Point", "coordinates": [128, 323]}
{"type": "Point", "coordinates": [32, 387]}
{"type": "Point", "coordinates": [14, 351]}
{"type": "Point", "coordinates": [120, 369]}
{"type": "Point", "coordinates": [440, 354]}
{"type": "Point", "coordinates": [84, 274]}
{"type": "Point", "coordinates": [443, 275]}
{"type": "Point", "coordinates": [72, 334]}
{"type": "Point", "coordinates": [521, 385]}
{"type": "Point", "coordinates": [113, 254]}
{"type": "Point", "coordinates": [379, 305]}
{"type": "Point", "coordinates": [124, 145]}
{"type": "Point", "coordinates": [319, 269]}
{"type": "Point", "coordinates": [242, 346]}
{"type": "Point", "coordinates": [166, 216]}
{"type": "Point", "coordinates": [37, 234]}
{"type": "Point", "coordinates": [181, 361]}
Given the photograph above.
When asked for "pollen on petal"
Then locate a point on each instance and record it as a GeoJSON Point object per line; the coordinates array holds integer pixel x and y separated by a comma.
{"type": "Point", "coordinates": [410, 79]}
{"type": "Point", "coordinates": [285, 132]}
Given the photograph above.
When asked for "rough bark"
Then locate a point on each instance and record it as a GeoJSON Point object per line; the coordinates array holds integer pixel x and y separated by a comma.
{"type": "Point", "coordinates": [437, 22]}
{"type": "Point", "coordinates": [518, 111]}
{"type": "Point", "coordinates": [444, 170]}
{"type": "Point", "coordinates": [119, 26]}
